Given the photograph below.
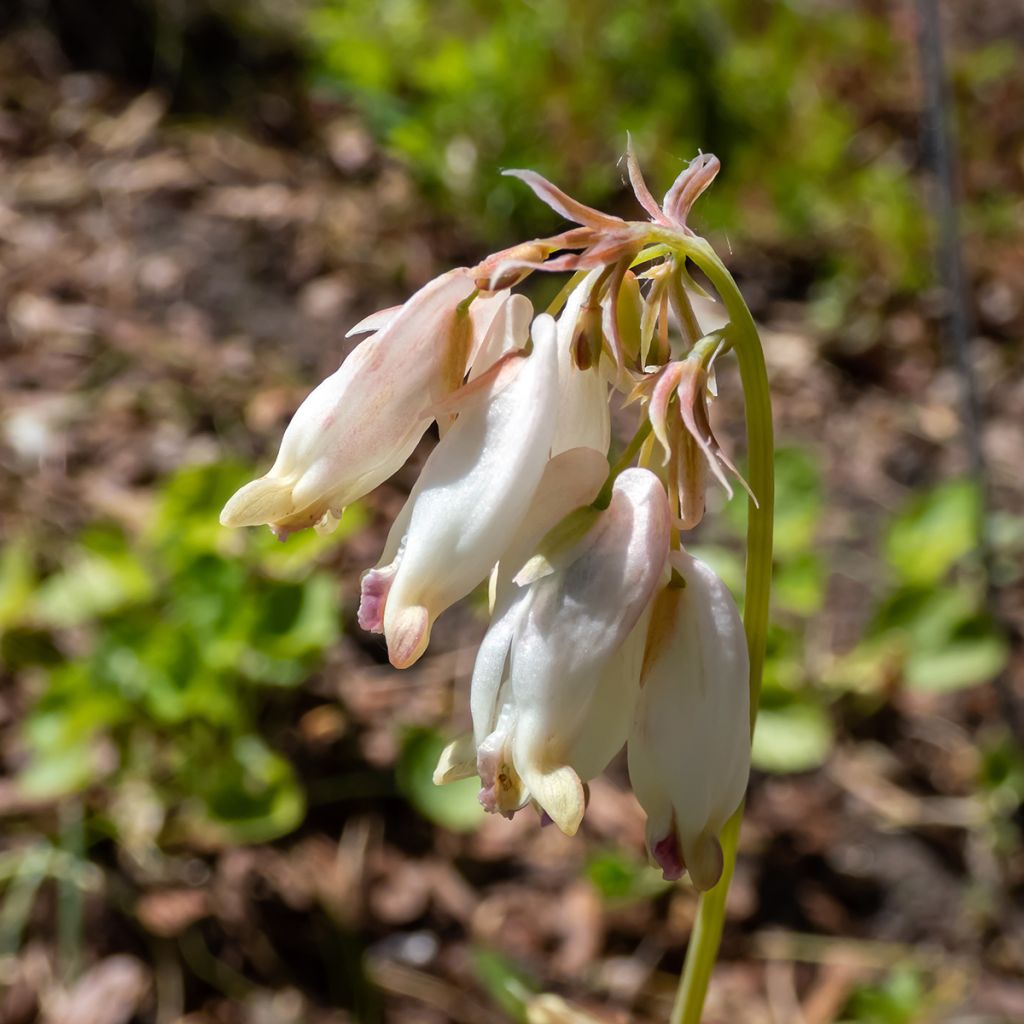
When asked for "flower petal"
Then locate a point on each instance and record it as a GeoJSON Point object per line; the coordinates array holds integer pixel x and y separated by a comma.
{"type": "Point", "coordinates": [472, 493]}
{"type": "Point", "coordinates": [561, 203]}
{"type": "Point", "coordinates": [689, 750]}
{"type": "Point", "coordinates": [640, 189]}
{"type": "Point", "coordinates": [360, 424]}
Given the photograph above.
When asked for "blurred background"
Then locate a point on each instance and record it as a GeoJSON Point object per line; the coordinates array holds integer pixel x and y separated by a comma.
{"type": "Point", "coordinates": [215, 803]}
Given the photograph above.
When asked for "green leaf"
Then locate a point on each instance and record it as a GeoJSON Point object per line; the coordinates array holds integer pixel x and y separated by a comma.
{"type": "Point", "coordinates": [506, 983]}
{"type": "Point", "coordinates": [900, 999]}
{"type": "Point", "coordinates": [293, 558]}
{"type": "Point", "coordinates": [798, 584]}
{"type": "Point", "coordinates": [621, 880]}
{"type": "Point", "coordinates": [60, 772]}
{"type": "Point", "coordinates": [252, 795]}
{"type": "Point", "coordinates": [792, 737]}
{"type": "Point", "coordinates": [933, 533]}
{"type": "Point", "coordinates": [964, 661]}
{"type": "Point", "coordinates": [17, 578]}
{"type": "Point", "coordinates": [798, 503]}
{"type": "Point", "coordinates": [186, 520]}
{"type": "Point", "coordinates": [453, 806]}
{"type": "Point", "coordinates": [104, 576]}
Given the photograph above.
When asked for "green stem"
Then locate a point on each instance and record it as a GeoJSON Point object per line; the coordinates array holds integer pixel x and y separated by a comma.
{"type": "Point", "coordinates": [707, 933]}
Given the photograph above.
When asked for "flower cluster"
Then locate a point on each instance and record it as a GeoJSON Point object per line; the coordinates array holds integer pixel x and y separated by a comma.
{"type": "Point", "coordinates": [603, 631]}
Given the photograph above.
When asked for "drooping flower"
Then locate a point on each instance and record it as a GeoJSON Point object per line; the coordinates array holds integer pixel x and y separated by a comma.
{"type": "Point", "coordinates": [689, 750]}
{"type": "Point", "coordinates": [551, 693]}
{"type": "Point", "coordinates": [469, 500]}
{"type": "Point", "coordinates": [360, 425]}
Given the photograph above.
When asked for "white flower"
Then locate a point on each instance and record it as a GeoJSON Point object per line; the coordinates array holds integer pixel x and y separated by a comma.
{"type": "Point", "coordinates": [551, 692]}
{"type": "Point", "coordinates": [689, 751]}
{"type": "Point", "coordinates": [473, 492]}
{"type": "Point", "coordinates": [360, 424]}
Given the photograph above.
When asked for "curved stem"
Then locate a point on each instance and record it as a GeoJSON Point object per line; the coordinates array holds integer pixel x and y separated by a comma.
{"type": "Point", "coordinates": [707, 933]}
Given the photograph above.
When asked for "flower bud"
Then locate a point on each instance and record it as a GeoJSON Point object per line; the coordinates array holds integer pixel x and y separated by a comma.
{"type": "Point", "coordinates": [583, 417]}
{"type": "Point", "coordinates": [689, 750]}
{"type": "Point", "coordinates": [468, 502]}
{"type": "Point", "coordinates": [360, 424]}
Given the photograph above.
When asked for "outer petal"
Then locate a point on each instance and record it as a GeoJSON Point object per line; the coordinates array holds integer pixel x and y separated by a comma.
{"type": "Point", "coordinates": [612, 708]}
{"type": "Point", "coordinates": [570, 481]}
{"type": "Point", "coordinates": [361, 424]}
{"type": "Point", "coordinates": [472, 493]}
{"type": "Point", "coordinates": [689, 751]}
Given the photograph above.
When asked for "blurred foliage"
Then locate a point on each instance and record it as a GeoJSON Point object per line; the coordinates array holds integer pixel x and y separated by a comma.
{"type": "Point", "coordinates": [465, 89]}
{"type": "Point", "coordinates": [901, 998]}
{"type": "Point", "coordinates": [621, 880]}
{"type": "Point", "coordinates": [453, 806]}
{"type": "Point", "coordinates": [505, 982]}
{"type": "Point", "coordinates": [159, 654]}
{"type": "Point", "coordinates": [927, 628]}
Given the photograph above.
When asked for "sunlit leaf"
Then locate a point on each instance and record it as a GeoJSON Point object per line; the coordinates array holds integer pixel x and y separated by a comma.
{"type": "Point", "coordinates": [453, 806]}
{"type": "Point", "coordinates": [252, 794]}
{"type": "Point", "coordinates": [17, 577]}
{"type": "Point", "coordinates": [792, 737]}
{"type": "Point", "coordinates": [505, 982]}
{"type": "Point", "coordinates": [934, 532]}
{"type": "Point", "coordinates": [621, 879]}
{"type": "Point", "coordinates": [103, 576]}
{"type": "Point", "coordinates": [798, 584]}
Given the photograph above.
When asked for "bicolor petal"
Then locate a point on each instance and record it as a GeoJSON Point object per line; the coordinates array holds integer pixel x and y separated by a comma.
{"type": "Point", "coordinates": [361, 424]}
{"type": "Point", "coordinates": [468, 502]}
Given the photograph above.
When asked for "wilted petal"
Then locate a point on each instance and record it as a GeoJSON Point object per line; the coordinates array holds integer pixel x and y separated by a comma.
{"type": "Point", "coordinates": [686, 189]}
{"type": "Point", "coordinates": [693, 408]}
{"type": "Point", "coordinates": [561, 203]}
{"type": "Point", "coordinates": [661, 397]}
{"type": "Point", "coordinates": [473, 491]}
{"type": "Point", "coordinates": [689, 750]}
{"type": "Point", "coordinates": [640, 189]}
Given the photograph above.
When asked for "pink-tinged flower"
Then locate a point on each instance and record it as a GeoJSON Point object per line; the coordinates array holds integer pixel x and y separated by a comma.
{"type": "Point", "coordinates": [689, 750]}
{"type": "Point", "coordinates": [358, 426]}
{"type": "Point", "coordinates": [469, 500]}
{"type": "Point", "coordinates": [552, 689]}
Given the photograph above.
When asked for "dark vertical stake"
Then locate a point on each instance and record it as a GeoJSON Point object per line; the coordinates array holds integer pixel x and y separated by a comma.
{"type": "Point", "coordinates": [957, 319]}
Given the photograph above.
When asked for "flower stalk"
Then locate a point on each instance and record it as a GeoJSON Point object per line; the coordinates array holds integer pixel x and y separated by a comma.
{"type": "Point", "coordinates": [707, 933]}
